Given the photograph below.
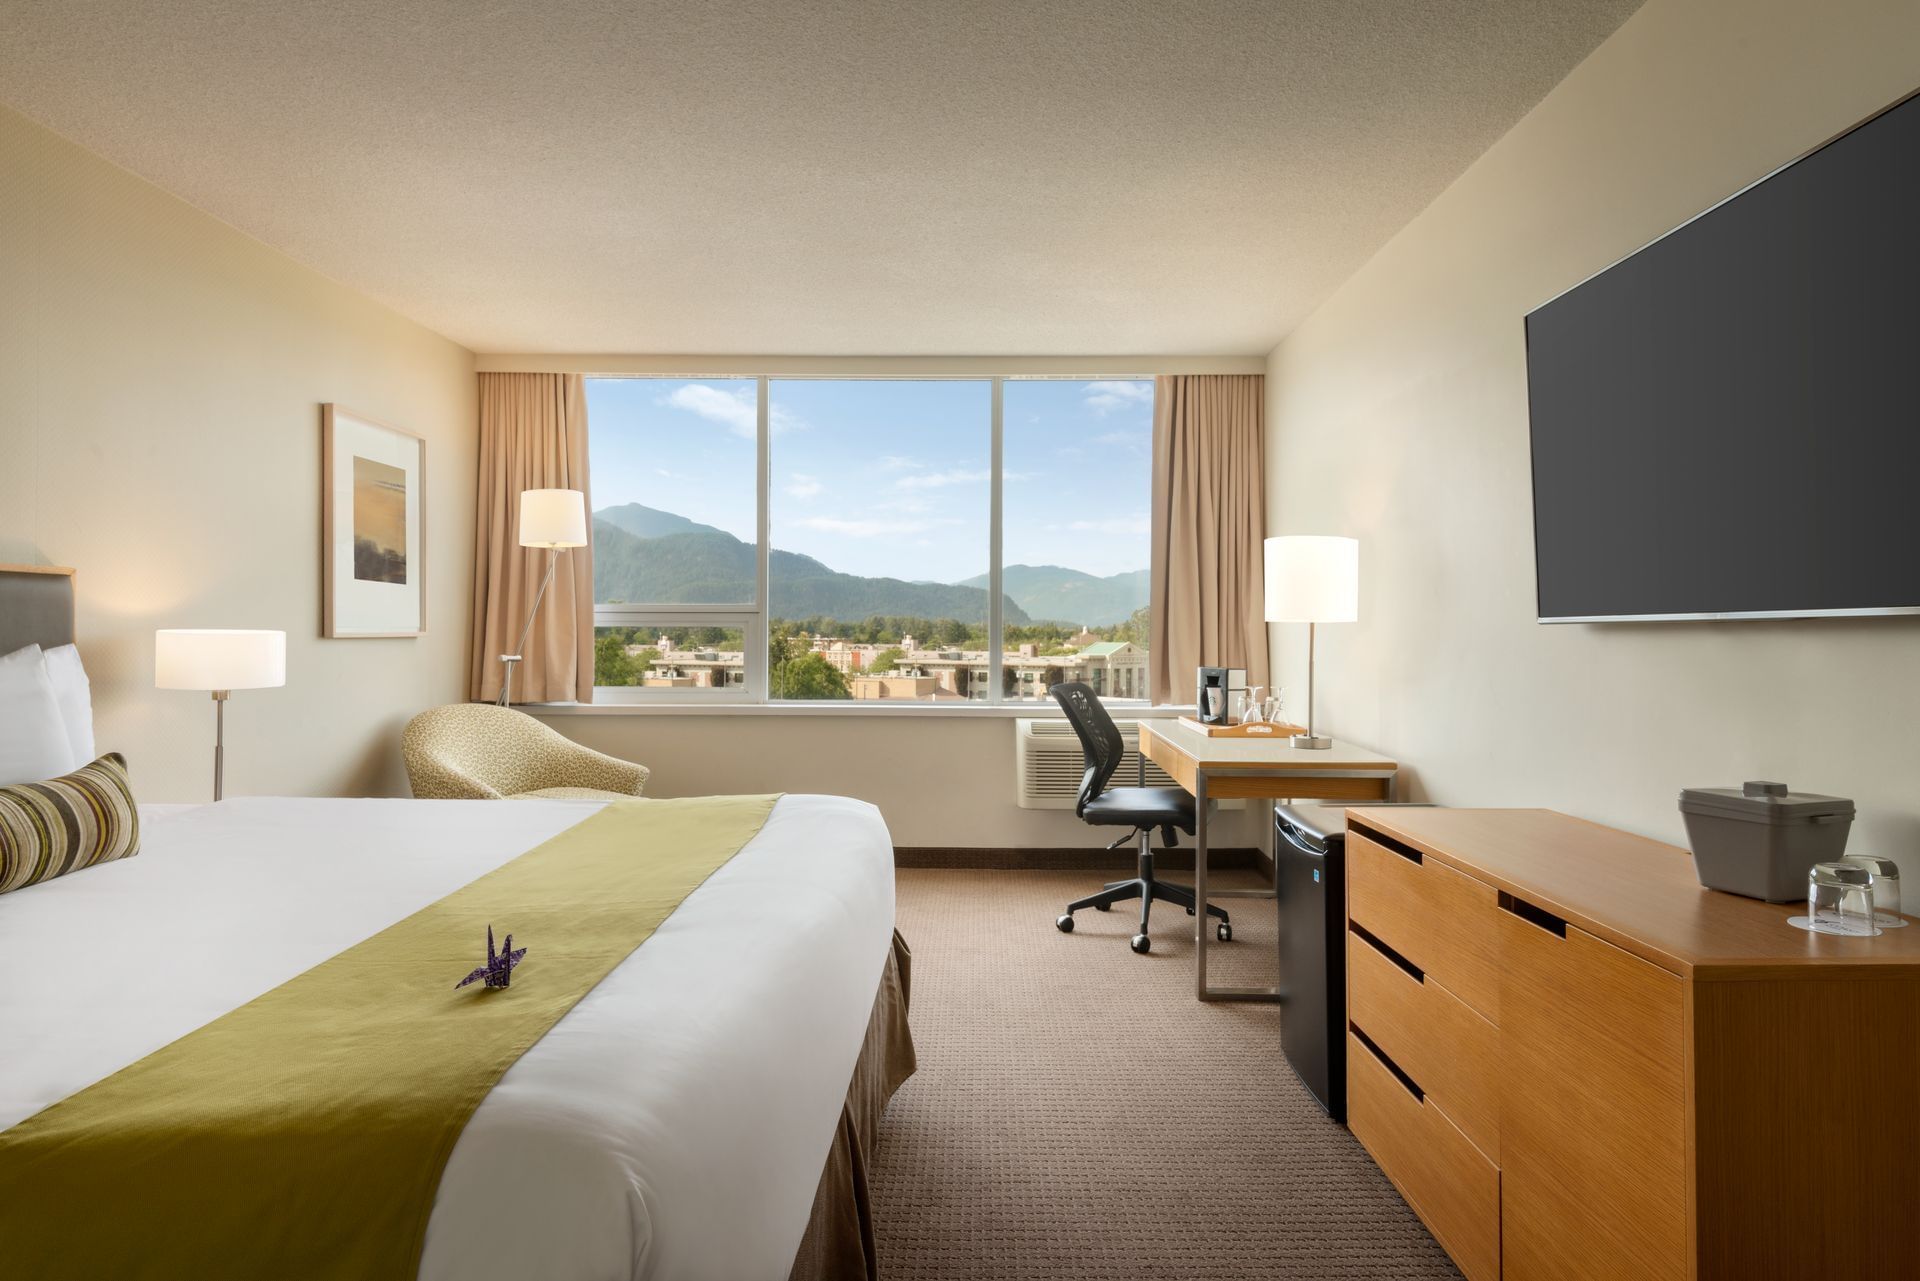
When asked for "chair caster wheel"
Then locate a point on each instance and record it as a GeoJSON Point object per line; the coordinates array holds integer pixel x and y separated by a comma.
{"type": "Point", "coordinates": [1103, 907]}
{"type": "Point", "coordinates": [1189, 911]}
{"type": "Point", "coordinates": [1142, 944]}
{"type": "Point", "coordinates": [1065, 923]}
{"type": "Point", "coordinates": [1223, 932]}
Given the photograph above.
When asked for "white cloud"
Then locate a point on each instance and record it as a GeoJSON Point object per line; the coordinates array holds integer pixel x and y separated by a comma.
{"type": "Point", "coordinates": [1105, 397]}
{"type": "Point", "coordinates": [1117, 526]}
{"type": "Point", "coordinates": [803, 486]}
{"type": "Point", "coordinates": [1129, 439]}
{"type": "Point", "coordinates": [942, 479]}
{"type": "Point", "coordinates": [734, 411]}
{"type": "Point", "coordinates": [896, 462]}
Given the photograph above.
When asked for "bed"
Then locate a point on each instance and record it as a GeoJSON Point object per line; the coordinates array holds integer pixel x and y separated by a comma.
{"type": "Point", "coordinates": [698, 1114]}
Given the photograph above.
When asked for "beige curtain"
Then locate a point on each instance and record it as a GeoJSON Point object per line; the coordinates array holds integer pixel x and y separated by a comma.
{"type": "Point", "coordinates": [533, 435]}
{"type": "Point", "coordinates": [1209, 523]}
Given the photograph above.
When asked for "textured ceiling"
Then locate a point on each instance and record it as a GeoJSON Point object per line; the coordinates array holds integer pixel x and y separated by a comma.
{"type": "Point", "coordinates": [829, 177]}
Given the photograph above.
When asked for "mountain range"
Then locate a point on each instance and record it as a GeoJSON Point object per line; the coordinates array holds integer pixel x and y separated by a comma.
{"type": "Point", "coordinates": [1070, 595]}
{"type": "Point", "coordinates": [642, 553]}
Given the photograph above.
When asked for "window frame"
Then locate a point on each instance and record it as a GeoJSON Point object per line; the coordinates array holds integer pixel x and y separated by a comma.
{"type": "Point", "coordinates": [755, 620]}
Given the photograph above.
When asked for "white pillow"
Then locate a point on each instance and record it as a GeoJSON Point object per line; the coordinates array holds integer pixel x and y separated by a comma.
{"type": "Point", "coordinates": [33, 738]}
{"type": "Point", "coordinates": [74, 695]}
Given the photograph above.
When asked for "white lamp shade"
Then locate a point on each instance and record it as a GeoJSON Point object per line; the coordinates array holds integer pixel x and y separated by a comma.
{"type": "Point", "coordinates": [1313, 578]}
{"type": "Point", "coordinates": [218, 658]}
{"type": "Point", "coordinates": [553, 518]}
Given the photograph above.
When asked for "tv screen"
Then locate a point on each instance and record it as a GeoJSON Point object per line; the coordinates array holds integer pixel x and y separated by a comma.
{"type": "Point", "coordinates": [1728, 422]}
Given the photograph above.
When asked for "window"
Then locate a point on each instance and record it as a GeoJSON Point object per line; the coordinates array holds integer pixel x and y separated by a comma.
{"type": "Point", "coordinates": [881, 505]}
{"type": "Point", "coordinates": [676, 532]}
{"type": "Point", "coordinates": [806, 539]}
{"type": "Point", "coordinates": [1079, 479]}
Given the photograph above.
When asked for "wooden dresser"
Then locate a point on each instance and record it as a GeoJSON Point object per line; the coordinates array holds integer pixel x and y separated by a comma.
{"type": "Point", "coordinates": [1573, 1061]}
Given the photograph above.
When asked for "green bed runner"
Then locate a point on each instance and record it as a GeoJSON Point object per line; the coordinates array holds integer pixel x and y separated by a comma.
{"type": "Point", "coordinates": [304, 1134]}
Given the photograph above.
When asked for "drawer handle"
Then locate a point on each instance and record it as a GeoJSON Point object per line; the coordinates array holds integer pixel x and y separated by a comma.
{"type": "Point", "coordinates": [1419, 975]}
{"type": "Point", "coordinates": [1386, 842]}
{"type": "Point", "coordinates": [1539, 916]}
{"type": "Point", "coordinates": [1388, 1063]}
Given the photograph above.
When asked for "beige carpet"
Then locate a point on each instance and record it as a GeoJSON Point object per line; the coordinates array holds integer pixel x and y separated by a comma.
{"type": "Point", "coordinates": [1078, 1114]}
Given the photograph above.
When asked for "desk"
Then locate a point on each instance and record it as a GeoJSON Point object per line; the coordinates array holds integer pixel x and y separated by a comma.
{"type": "Point", "coordinates": [1253, 769]}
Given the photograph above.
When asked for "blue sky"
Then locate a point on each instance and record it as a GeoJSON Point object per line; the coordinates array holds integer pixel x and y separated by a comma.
{"type": "Point", "coordinates": [889, 478]}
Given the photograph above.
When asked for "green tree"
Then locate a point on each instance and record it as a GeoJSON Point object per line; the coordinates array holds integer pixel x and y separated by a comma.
{"type": "Point", "coordinates": [1135, 629]}
{"type": "Point", "coordinates": [614, 665]}
{"type": "Point", "coordinates": [886, 660]}
{"type": "Point", "coordinates": [809, 676]}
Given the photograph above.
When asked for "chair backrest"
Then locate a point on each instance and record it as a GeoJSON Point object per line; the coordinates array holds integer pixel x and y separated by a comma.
{"type": "Point", "coordinates": [476, 751]}
{"type": "Point", "coordinates": [1101, 744]}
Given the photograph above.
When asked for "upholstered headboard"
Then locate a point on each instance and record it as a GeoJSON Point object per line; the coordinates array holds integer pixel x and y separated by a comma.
{"type": "Point", "coordinates": [36, 606]}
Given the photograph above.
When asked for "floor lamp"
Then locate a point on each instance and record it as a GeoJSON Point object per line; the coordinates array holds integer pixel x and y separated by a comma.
{"type": "Point", "coordinates": [1312, 579]}
{"type": "Point", "coordinates": [219, 660]}
{"type": "Point", "coordinates": [555, 519]}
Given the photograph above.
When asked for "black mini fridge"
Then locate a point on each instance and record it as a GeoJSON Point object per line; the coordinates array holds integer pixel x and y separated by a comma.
{"type": "Point", "coordinates": [1310, 856]}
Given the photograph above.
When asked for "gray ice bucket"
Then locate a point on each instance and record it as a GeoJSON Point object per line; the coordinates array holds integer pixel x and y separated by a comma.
{"type": "Point", "coordinates": [1760, 839]}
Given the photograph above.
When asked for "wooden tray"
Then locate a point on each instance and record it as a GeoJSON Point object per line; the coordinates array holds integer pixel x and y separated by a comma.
{"type": "Point", "coordinates": [1259, 729]}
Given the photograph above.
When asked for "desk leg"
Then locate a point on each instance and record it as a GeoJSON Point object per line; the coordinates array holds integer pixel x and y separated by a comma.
{"type": "Point", "coordinates": [1200, 883]}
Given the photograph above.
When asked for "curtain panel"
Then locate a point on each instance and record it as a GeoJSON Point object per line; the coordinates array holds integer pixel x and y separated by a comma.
{"type": "Point", "coordinates": [1209, 526]}
{"type": "Point", "coordinates": [533, 435]}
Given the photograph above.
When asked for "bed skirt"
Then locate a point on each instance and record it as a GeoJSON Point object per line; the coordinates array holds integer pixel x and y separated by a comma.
{"type": "Point", "coordinates": [839, 1244]}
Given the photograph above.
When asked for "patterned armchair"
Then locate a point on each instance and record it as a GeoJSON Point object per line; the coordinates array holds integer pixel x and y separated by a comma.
{"type": "Point", "coordinates": [476, 751]}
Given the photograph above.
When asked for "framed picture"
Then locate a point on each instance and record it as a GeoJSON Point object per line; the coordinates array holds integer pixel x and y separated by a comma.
{"type": "Point", "coordinates": [372, 527]}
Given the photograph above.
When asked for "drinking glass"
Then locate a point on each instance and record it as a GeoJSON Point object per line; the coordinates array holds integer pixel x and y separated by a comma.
{"type": "Point", "coordinates": [1840, 899]}
{"type": "Point", "coordinates": [1886, 888]}
{"type": "Point", "coordinates": [1256, 708]}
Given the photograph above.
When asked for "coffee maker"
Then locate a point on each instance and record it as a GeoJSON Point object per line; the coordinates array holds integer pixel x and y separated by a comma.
{"type": "Point", "coordinates": [1210, 696]}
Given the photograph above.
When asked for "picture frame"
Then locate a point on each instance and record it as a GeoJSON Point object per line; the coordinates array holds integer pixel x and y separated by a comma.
{"type": "Point", "coordinates": [373, 559]}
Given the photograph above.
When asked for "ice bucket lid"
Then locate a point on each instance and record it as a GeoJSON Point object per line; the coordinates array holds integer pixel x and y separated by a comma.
{"type": "Point", "coordinates": [1763, 802]}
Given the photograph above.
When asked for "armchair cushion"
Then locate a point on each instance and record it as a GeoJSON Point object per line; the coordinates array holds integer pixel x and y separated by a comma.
{"type": "Point", "coordinates": [477, 751]}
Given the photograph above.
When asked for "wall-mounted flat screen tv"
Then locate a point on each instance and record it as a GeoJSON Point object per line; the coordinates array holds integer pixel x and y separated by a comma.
{"type": "Point", "coordinates": [1727, 423]}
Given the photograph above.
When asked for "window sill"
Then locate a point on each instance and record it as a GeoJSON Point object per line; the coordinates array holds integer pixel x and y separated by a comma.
{"type": "Point", "coordinates": [838, 708]}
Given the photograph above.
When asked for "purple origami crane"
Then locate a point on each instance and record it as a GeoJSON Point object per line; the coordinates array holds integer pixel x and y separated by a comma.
{"type": "Point", "coordinates": [498, 971]}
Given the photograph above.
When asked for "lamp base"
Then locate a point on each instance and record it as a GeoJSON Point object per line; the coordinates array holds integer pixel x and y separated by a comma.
{"type": "Point", "coordinates": [1311, 742]}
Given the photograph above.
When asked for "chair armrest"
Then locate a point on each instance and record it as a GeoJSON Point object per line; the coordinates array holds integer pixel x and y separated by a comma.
{"type": "Point", "coordinates": [578, 766]}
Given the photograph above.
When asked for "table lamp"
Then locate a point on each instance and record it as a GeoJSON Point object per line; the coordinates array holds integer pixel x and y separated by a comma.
{"type": "Point", "coordinates": [1312, 579]}
{"type": "Point", "coordinates": [555, 519]}
{"type": "Point", "coordinates": [219, 660]}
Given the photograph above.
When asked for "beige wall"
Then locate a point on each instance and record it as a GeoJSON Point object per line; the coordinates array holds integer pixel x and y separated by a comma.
{"type": "Point", "coordinates": [939, 780]}
{"type": "Point", "coordinates": [1399, 416]}
{"type": "Point", "coordinates": [160, 383]}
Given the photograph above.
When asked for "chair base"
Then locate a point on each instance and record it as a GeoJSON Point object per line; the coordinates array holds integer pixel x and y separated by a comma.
{"type": "Point", "coordinates": [1147, 888]}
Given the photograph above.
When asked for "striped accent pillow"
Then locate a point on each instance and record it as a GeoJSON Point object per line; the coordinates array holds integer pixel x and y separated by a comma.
{"type": "Point", "coordinates": [67, 823]}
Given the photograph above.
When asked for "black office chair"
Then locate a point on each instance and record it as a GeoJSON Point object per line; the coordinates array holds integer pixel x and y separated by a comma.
{"type": "Point", "coordinates": [1141, 808]}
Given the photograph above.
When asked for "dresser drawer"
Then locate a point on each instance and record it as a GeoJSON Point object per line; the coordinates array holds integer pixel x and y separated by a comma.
{"type": "Point", "coordinates": [1445, 922]}
{"type": "Point", "coordinates": [1453, 1052]}
{"type": "Point", "coordinates": [1449, 1183]}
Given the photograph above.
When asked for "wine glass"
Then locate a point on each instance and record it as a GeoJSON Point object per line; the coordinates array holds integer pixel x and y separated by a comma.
{"type": "Point", "coordinates": [1255, 708]}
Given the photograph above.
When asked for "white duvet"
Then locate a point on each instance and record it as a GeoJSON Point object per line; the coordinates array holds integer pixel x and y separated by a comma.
{"type": "Point", "coordinates": [673, 1125]}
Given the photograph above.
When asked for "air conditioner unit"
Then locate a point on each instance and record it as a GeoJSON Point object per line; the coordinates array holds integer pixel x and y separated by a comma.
{"type": "Point", "coordinates": [1048, 764]}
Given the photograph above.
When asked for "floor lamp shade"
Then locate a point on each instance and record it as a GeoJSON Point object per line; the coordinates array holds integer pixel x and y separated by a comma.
{"type": "Point", "coordinates": [1313, 578]}
{"type": "Point", "coordinates": [553, 518]}
{"type": "Point", "coordinates": [219, 658]}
